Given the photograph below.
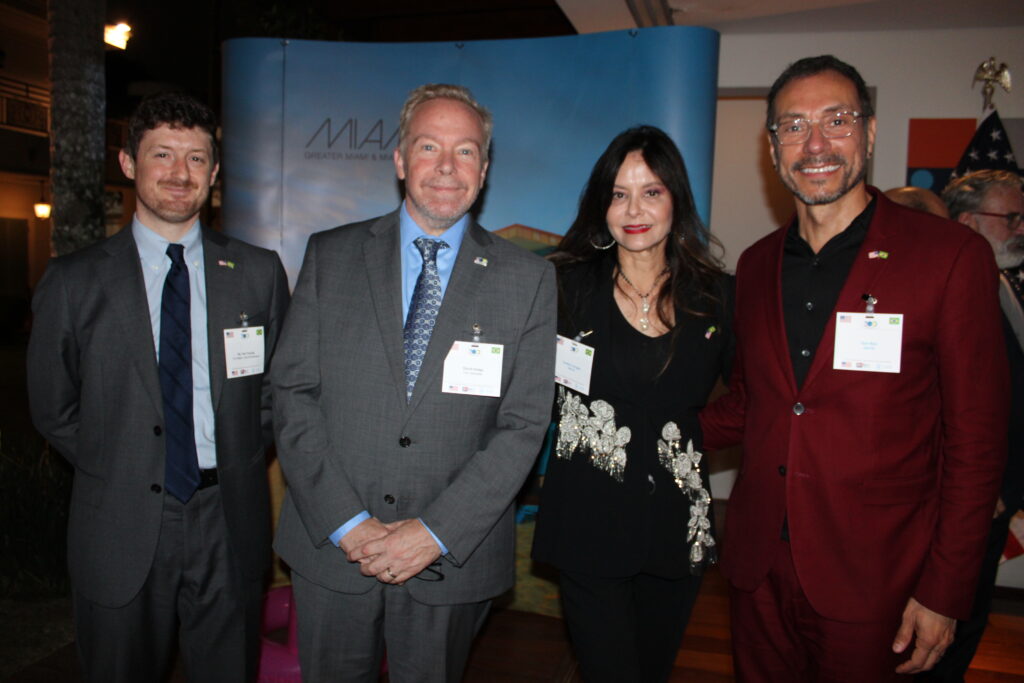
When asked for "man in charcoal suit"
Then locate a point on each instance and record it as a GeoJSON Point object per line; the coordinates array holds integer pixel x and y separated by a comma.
{"type": "Point", "coordinates": [137, 377]}
{"type": "Point", "coordinates": [414, 381]}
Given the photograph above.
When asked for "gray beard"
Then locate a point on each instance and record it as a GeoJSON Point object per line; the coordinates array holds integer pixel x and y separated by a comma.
{"type": "Point", "coordinates": [1010, 253]}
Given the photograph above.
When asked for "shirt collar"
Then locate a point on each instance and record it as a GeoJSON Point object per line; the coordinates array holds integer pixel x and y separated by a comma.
{"type": "Point", "coordinates": [854, 233]}
{"type": "Point", "coordinates": [409, 230]}
{"type": "Point", "coordinates": [153, 247]}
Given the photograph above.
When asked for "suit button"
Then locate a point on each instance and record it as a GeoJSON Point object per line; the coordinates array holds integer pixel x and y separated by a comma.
{"type": "Point", "coordinates": [798, 408]}
{"type": "Point", "coordinates": [405, 442]}
{"type": "Point", "coordinates": [389, 499]}
{"type": "Point", "coordinates": [155, 488]}
{"type": "Point", "coordinates": [806, 353]}
{"type": "Point", "coordinates": [157, 431]}
{"type": "Point", "coordinates": [782, 470]}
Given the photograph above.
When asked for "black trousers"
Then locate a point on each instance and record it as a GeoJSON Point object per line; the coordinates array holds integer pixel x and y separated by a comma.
{"type": "Point", "coordinates": [627, 629]}
{"type": "Point", "coordinates": [193, 599]}
{"type": "Point", "coordinates": [954, 664]}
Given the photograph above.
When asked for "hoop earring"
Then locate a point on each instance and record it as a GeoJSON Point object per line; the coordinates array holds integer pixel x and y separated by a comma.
{"type": "Point", "coordinates": [605, 247]}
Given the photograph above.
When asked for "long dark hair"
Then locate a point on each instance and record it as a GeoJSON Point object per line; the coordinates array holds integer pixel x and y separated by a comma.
{"type": "Point", "coordinates": [694, 279]}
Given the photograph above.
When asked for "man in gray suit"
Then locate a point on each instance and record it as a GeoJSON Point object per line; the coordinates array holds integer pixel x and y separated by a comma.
{"type": "Point", "coordinates": [412, 388]}
{"type": "Point", "coordinates": [146, 371]}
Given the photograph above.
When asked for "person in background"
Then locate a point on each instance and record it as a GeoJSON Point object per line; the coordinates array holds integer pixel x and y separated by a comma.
{"type": "Point", "coordinates": [870, 396]}
{"type": "Point", "coordinates": [625, 510]}
{"type": "Point", "coordinates": [147, 371]}
{"type": "Point", "coordinates": [991, 204]}
{"type": "Point", "coordinates": [919, 198]}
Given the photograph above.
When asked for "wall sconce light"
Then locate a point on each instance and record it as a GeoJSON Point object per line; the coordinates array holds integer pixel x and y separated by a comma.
{"type": "Point", "coordinates": [117, 35]}
{"type": "Point", "coordinates": [42, 207]}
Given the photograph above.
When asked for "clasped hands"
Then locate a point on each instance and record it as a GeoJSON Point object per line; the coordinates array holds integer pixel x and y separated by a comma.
{"type": "Point", "coordinates": [394, 552]}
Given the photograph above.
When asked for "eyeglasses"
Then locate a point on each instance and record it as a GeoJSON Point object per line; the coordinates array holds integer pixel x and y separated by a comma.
{"type": "Point", "coordinates": [1013, 219]}
{"type": "Point", "coordinates": [794, 131]}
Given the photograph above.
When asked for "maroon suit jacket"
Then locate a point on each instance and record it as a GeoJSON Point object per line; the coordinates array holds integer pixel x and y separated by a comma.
{"type": "Point", "coordinates": [888, 480]}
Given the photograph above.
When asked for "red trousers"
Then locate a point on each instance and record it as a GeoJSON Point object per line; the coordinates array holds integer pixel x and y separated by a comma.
{"type": "Point", "coordinates": [778, 637]}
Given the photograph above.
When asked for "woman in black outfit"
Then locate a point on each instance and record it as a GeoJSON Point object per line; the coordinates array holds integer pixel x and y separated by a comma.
{"type": "Point", "coordinates": [625, 509]}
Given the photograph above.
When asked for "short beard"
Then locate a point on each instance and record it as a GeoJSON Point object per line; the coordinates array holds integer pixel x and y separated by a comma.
{"type": "Point", "coordinates": [849, 182]}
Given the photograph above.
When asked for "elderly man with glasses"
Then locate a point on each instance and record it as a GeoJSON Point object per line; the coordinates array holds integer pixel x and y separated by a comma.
{"type": "Point", "coordinates": [870, 395]}
{"type": "Point", "coordinates": [991, 203]}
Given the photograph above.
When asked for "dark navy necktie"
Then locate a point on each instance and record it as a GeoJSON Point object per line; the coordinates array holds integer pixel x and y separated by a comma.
{"type": "Point", "coordinates": [426, 302]}
{"type": "Point", "coordinates": [181, 475]}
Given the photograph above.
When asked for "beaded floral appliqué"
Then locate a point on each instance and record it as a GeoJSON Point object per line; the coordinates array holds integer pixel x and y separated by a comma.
{"type": "Point", "coordinates": [684, 466]}
{"type": "Point", "coordinates": [592, 429]}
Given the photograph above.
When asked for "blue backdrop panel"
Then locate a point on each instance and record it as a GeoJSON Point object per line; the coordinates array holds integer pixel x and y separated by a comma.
{"type": "Point", "coordinates": [310, 127]}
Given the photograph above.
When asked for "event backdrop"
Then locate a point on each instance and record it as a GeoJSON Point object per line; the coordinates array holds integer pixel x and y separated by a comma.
{"type": "Point", "coordinates": [310, 127]}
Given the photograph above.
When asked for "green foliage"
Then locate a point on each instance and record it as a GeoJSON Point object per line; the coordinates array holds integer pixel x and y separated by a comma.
{"type": "Point", "coordinates": [35, 491]}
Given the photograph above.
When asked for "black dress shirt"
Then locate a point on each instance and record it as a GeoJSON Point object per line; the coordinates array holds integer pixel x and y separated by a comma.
{"type": "Point", "coordinates": [811, 284]}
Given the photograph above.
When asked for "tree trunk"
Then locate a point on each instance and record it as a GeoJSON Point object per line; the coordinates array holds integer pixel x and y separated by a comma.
{"type": "Point", "coordinates": [77, 122]}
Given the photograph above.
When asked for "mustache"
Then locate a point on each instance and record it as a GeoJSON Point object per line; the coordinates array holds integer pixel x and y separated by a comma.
{"type": "Point", "coordinates": [821, 160]}
{"type": "Point", "coordinates": [179, 184]}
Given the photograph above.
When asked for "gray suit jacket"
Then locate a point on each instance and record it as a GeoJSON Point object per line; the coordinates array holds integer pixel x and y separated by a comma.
{"type": "Point", "coordinates": [94, 393]}
{"type": "Point", "coordinates": [349, 441]}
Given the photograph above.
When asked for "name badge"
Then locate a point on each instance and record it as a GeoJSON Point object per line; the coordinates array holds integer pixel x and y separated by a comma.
{"type": "Point", "coordinates": [868, 342]}
{"type": "Point", "coordinates": [473, 369]}
{"type": "Point", "coordinates": [574, 362]}
{"type": "Point", "coordinates": [243, 351]}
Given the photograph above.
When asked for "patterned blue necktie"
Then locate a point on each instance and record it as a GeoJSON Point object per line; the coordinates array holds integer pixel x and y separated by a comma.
{"type": "Point", "coordinates": [181, 472]}
{"type": "Point", "coordinates": [426, 302]}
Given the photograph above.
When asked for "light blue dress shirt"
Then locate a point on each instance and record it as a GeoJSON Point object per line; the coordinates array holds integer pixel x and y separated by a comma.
{"type": "Point", "coordinates": [412, 265]}
{"type": "Point", "coordinates": [155, 264]}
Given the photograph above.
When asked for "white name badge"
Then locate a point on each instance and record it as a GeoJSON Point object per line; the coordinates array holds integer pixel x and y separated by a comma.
{"type": "Point", "coordinates": [243, 351]}
{"type": "Point", "coordinates": [868, 342]}
{"type": "Point", "coordinates": [473, 369]}
{"type": "Point", "coordinates": [574, 362]}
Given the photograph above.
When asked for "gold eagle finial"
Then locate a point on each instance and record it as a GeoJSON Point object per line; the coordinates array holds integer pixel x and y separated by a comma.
{"type": "Point", "coordinates": [991, 75]}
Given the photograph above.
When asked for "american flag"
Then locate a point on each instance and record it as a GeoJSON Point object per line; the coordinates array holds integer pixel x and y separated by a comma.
{"type": "Point", "coordinates": [989, 149]}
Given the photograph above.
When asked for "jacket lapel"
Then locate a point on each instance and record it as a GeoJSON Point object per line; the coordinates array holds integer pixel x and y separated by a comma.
{"type": "Point", "coordinates": [863, 274]}
{"type": "Point", "coordinates": [383, 270]}
{"type": "Point", "coordinates": [122, 279]}
{"type": "Point", "coordinates": [771, 307]}
{"type": "Point", "coordinates": [452, 320]}
{"type": "Point", "coordinates": [221, 285]}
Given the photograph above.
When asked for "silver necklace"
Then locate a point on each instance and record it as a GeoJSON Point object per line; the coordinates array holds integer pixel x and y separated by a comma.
{"type": "Point", "coordinates": [645, 303]}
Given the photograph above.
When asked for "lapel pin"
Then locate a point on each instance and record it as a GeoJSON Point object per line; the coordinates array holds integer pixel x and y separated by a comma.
{"type": "Point", "coordinates": [711, 330]}
{"type": "Point", "coordinates": [226, 264]}
{"type": "Point", "coordinates": [480, 261]}
{"type": "Point", "coordinates": [878, 254]}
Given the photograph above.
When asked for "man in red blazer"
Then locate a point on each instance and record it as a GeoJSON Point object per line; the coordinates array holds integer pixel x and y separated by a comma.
{"type": "Point", "coordinates": [870, 395]}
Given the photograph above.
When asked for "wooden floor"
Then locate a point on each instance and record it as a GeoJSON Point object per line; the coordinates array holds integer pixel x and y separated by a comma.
{"type": "Point", "coordinates": [520, 647]}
